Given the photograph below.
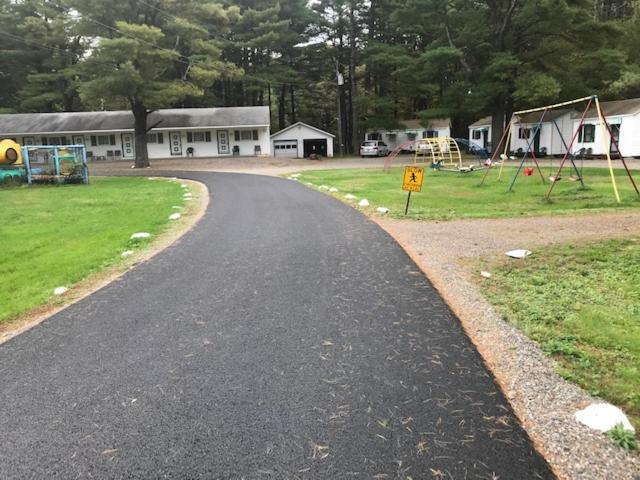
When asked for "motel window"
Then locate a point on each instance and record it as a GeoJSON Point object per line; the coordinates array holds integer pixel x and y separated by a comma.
{"type": "Point", "coordinates": [193, 137]}
{"type": "Point", "coordinates": [523, 133]}
{"type": "Point", "coordinates": [103, 140]}
{"type": "Point", "coordinates": [245, 135]}
{"type": "Point", "coordinates": [54, 141]}
{"type": "Point", "coordinates": [155, 138]}
{"type": "Point", "coordinates": [477, 134]}
{"type": "Point", "coordinates": [430, 134]}
{"type": "Point", "coordinates": [587, 134]}
{"type": "Point", "coordinates": [374, 136]}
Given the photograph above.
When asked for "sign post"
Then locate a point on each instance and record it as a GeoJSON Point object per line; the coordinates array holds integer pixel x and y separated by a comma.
{"type": "Point", "coordinates": [412, 182]}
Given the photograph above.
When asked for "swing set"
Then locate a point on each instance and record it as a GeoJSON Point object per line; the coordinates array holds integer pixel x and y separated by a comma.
{"type": "Point", "coordinates": [569, 155]}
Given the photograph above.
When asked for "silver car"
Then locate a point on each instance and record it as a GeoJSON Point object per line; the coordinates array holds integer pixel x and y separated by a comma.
{"type": "Point", "coordinates": [373, 148]}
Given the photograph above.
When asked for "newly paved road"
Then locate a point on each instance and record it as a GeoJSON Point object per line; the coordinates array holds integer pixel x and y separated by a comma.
{"type": "Point", "coordinates": [285, 337]}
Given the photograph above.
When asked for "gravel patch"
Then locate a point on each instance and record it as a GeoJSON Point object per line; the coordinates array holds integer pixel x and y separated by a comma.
{"type": "Point", "coordinates": [544, 402]}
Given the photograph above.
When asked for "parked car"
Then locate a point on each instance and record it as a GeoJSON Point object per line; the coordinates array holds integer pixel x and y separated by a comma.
{"type": "Point", "coordinates": [373, 148]}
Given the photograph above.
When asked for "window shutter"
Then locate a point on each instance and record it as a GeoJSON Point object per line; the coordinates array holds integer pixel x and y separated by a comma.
{"type": "Point", "coordinates": [207, 136]}
{"type": "Point", "coordinates": [94, 141]}
{"type": "Point", "coordinates": [255, 134]}
{"type": "Point", "coordinates": [160, 138]}
{"type": "Point", "coordinates": [189, 137]}
{"type": "Point", "coordinates": [236, 135]}
{"type": "Point", "coordinates": [112, 139]}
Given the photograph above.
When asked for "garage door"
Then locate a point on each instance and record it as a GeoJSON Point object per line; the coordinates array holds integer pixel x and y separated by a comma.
{"type": "Point", "coordinates": [285, 148]}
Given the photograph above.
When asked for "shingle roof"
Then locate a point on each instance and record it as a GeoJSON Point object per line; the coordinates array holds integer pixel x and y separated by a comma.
{"type": "Point", "coordinates": [303, 125]}
{"type": "Point", "coordinates": [24, 123]}
{"type": "Point", "coordinates": [534, 117]}
{"type": "Point", "coordinates": [417, 124]}
{"type": "Point", "coordinates": [615, 107]}
{"type": "Point", "coordinates": [483, 122]}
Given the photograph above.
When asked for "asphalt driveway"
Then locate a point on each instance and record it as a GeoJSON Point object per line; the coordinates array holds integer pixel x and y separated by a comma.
{"type": "Point", "coordinates": [285, 337]}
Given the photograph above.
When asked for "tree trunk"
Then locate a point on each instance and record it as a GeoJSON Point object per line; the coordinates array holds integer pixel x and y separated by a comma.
{"type": "Point", "coordinates": [293, 105]}
{"type": "Point", "coordinates": [282, 107]}
{"type": "Point", "coordinates": [140, 114]}
{"type": "Point", "coordinates": [355, 134]}
{"type": "Point", "coordinates": [270, 104]}
{"type": "Point", "coordinates": [497, 126]}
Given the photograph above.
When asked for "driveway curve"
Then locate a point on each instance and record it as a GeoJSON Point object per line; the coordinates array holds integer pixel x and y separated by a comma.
{"type": "Point", "coordinates": [285, 337]}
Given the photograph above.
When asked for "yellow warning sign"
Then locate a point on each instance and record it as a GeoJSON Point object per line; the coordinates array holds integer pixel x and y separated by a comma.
{"type": "Point", "coordinates": [413, 177]}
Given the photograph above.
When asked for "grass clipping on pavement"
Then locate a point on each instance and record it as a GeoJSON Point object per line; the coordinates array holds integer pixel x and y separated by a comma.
{"type": "Point", "coordinates": [56, 236]}
{"type": "Point", "coordinates": [582, 304]}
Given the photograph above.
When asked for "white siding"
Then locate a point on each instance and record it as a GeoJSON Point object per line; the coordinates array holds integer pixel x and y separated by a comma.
{"type": "Point", "coordinates": [480, 141]}
{"type": "Point", "coordinates": [395, 138]}
{"type": "Point", "coordinates": [549, 136]}
{"type": "Point", "coordinates": [629, 135]}
{"type": "Point", "coordinates": [162, 150]}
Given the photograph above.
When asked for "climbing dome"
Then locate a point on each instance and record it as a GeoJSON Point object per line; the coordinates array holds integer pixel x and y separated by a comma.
{"type": "Point", "coordinates": [441, 153]}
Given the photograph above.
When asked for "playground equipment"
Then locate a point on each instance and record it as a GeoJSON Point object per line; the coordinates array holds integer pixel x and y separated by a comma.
{"type": "Point", "coordinates": [607, 138]}
{"type": "Point", "coordinates": [12, 170]}
{"type": "Point", "coordinates": [441, 153]}
{"type": "Point", "coordinates": [43, 163]}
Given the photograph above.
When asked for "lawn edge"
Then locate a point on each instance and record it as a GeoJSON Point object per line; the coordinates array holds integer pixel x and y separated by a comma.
{"type": "Point", "coordinates": [191, 215]}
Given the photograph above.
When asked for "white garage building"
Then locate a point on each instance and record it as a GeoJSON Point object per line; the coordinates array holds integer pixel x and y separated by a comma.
{"type": "Point", "coordinates": [301, 140]}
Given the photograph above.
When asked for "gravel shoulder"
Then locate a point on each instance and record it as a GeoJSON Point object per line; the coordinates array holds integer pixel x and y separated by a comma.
{"type": "Point", "coordinates": [544, 402]}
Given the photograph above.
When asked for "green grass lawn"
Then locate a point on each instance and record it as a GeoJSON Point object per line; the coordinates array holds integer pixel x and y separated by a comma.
{"type": "Point", "coordinates": [449, 195]}
{"type": "Point", "coordinates": [582, 304]}
{"type": "Point", "coordinates": [55, 236]}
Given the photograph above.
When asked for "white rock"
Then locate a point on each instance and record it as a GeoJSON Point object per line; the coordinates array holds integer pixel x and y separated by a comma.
{"type": "Point", "coordinates": [295, 175]}
{"type": "Point", "coordinates": [174, 216]}
{"type": "Point", "coordinates": [176, 207]}
{"type": "Point", "coordinates": [333, 189]}
{"type": "Point", "coordinates": [60, 290]}
{"type": "Point", "coordinates": [485, 274]}
{"type": "Point", "coordinates": [323, 187]}
{"type": "Point", "coordinates": [603, 417]}
{"type": "Point", "coordinates": [519, 253]}
{"type": "Point", "coordinates": [348, 196]}
{"type": "Point", "coordinates": [126, 253]}
{"type": "Point", "coordinates": [382, 210]}
{"type": "Point", "coordinates": [139, 235]}
{"type": "Point", "coordinates": [184, 185]}
{"type": "Point", "coordinates": [309, 184]}
{"type": "Point", "coordinates": [364, 202]}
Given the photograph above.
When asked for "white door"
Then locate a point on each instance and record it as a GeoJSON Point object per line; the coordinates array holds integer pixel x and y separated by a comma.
{"type": "Point", "coordinates": [175, 142]}
{"type": "Point", "coordinates": [78, 139]}
{"type": "Point", "coordinates": [223, 142]}
{"type": "Point", "coordinates": [128, 145]}
{"type": "Point", "coordinates": [285, 148]}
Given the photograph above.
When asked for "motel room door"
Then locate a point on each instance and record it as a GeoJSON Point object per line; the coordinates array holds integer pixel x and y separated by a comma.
{"type": "Point", "coordinates": [223, 142]}
{"type": "Point", "coordinates": [128, 146]}
{"type": "Point", "coordinates": [175, 143]}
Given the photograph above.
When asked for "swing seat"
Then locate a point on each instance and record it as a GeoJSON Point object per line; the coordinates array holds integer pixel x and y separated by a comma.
{"type": "Point", "coordinates": [555, 179]}
{"type": "Point", "coordinates": [527, 172]}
